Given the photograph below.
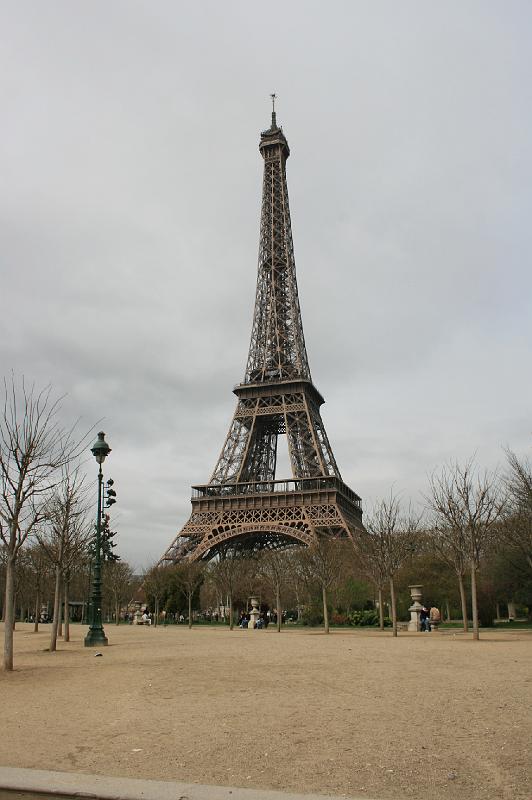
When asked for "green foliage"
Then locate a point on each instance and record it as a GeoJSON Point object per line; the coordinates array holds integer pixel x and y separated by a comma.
{"type": "Point", "coordinates": [176, 596]}
{"type": "Point", "coordinates": [439, 582]}
{"type": "Point", "coordinates": [107, 543]}
{"type": "Point", "coordinates": [370, 617]}
{"type": "Point", "coordinates": [486, 610]}
{"type": "Point", "coordinates": [312, 615]}
{"type": "Point", "coordinates": [509, 577]}
{"type": "Point", "coordinates": [174, 600]}
{"type": "Point", "coordinates": [353, 595]}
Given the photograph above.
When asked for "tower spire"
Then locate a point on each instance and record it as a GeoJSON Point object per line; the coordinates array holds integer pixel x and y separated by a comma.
{"type": "Point", "coordinates": [274, 116]}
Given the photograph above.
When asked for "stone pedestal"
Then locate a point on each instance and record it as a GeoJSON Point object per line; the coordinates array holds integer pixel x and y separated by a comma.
{"type": "Point", "coordinates": [415, 608]}
{"type": "Point", "coordinates": [254, 614]}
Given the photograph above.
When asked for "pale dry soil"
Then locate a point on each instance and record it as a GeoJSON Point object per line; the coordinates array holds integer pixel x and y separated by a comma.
{"type": "Point", "coordinates": [425, 716]}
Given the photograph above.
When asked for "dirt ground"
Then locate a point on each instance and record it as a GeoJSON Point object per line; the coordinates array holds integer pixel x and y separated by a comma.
{"type": "Point", "coordinates": [426, 716]}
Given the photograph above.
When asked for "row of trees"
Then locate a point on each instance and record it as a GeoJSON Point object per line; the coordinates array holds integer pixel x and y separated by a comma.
{"type": "Point", "coordinates": [39, 596]}
{"type": "Point", "coordinates": [472, 519]}
{"type": "Point", "coordinates": [473, 522]}
{"type": "Point", "coordinates": [45, 521]}
{"type": "Point", "coordinates": [230, 580]}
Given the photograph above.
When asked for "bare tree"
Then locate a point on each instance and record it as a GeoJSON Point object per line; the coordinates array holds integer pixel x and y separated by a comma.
{"type": "Point", "coordinates": [155, 583]}
{"type": "Point", "coordinates": [33, 448]}
{"type": "Point", "coordinates": [450, 546]}
{"type": "Point", "coordinates": [118, 579]}
{"type": "Point", "coordinates": [388, 539]}
{"type": "Point", "coordinates": [225, 573]}
{"type": "Point", "coordinates": [190, 575]}
{"type": "Point", "coordinates": [516, 528]}
{"type": "Point", "coordinates": [22, 587]}
{"type": "Point", "coordinates": [39, 566]}
{"type": "Point", "coordinates": [299, 585]}
{"type": "Point", "coordinates": [274, 568]}
{"type": "Point", "coordinates": [248, 582]}
{"type": "Point", "coordinates": [30, 574]}
{"type": "Point", "coordinates": [64, 539]}
{"type": "Point", "coordinates": [373, 566]}
{"type": "Point", "coordinates": [322, 563]}
{"type": "Point", "coordinates": [467, 505]}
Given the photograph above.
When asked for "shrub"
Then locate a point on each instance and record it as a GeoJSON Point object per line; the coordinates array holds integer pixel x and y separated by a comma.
{"type": "Point", "coordinates": [339, 619]}
{"type": "Point", "coordinates": [312, 616]}
{"type": "Point", "coordinates": [486, 610]}
{"type": "Point", "coordinates": [370, 617]}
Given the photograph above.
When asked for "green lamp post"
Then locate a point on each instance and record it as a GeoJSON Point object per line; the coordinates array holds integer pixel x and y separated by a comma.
{"type": "Point", "coordinates": [96, 636]}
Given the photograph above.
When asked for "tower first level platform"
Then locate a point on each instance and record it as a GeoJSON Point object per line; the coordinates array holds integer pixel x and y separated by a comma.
{"type": "Point", "coordinates": [262, 514]}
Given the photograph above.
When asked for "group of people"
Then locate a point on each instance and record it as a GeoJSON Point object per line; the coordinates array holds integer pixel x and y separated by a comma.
{"type": "Point", "coordinates": [428, 618]}
{"type": "Point", "coordinates": [262, 622]}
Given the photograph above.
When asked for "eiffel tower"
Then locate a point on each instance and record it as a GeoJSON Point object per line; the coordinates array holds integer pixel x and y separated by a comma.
{"type": "Point", "coordinates": [243, 504]}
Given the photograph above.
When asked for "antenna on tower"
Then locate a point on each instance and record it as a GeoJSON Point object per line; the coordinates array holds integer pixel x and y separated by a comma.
{"type": "Point", "coordinates": [274, 118]}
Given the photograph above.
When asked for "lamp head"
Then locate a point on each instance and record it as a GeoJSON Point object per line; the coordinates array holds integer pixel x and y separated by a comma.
{"type": "Point", "coordinates": [100, 449]}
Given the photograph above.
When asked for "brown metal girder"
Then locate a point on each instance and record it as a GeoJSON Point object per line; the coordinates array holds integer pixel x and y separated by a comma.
{"type": "Point", "coordinates": [205, 548]}
{"type": "Point", "coordinates": [290, 386]}
{"type": "Point", "coordinates": [315, 437]}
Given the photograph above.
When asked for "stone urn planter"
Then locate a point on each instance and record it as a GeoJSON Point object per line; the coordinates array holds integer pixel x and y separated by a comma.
{"type": "Point", "coordinates": [415, 608]}
{"type": "Point", "coordinates": [254, 614]}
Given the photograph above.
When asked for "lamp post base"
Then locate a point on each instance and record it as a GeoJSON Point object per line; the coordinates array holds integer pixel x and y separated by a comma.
{"type": "Point", "coordinates": [96, 638]}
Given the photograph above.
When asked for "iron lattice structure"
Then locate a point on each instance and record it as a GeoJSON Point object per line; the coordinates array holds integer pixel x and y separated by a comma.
{"type": "Point", "coordinates": [243, 504]}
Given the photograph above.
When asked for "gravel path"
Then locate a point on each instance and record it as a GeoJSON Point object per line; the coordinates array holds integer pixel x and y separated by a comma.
{"type": "Point", "coordinates": [426, 716]}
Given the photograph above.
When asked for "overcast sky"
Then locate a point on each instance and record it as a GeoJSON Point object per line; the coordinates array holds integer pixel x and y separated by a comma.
{"type": "Point", "coordinates": [130, 185]}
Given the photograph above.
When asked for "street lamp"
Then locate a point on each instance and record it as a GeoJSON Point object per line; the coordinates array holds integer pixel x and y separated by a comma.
{"type": "Point", "coordinates": [96, 636]}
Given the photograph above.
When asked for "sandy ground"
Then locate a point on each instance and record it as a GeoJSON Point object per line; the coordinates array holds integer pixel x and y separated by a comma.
{"type": "Point", "coordinates": [426, 716]}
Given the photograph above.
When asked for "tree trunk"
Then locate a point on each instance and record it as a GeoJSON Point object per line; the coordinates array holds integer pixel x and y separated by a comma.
{"type": "Point", "coordinates": [117, 613]}
{"type": "Point", "coordinates": [60, 616]}
{"type": "Point", "coordinates": [57, 606]}
{"type": "Point", "coordinates": [474, 599]}
{"type": "Point", "coordinates": [9, 614]}
{"type": "Point", "coordinates": [325, 609]}
{"type": "Point", "coordinates": [231, 623]}
{"type": "Point", "coordinates": [498, 611]}
{"type": "Point", "coordinates": [14, 609]}
{"type": "Point", "coordinates": [381, 610]}
{"type": "Point", "coordinates": [394, 608]}
{"type": "Point", "coordinates": [156, 614]}
{"type": "Point", "coordinates": [278, 603]}
{"type": "Point", "coordinates": [37, 612]}
{"type": "Point", "coordinates": [463, 602]}
{"type": "Point", "coordinates": [67, 614]}
{"type": "Point", "coordinates": [189, 610]}
{"type": "Point", "coordinates": [447, 611]}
